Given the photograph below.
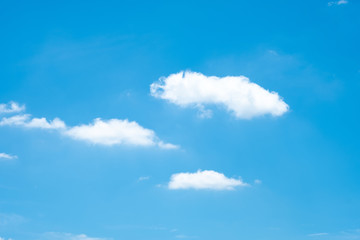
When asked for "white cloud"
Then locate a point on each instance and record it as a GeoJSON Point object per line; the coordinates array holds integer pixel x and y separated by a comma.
{"type": "Point", "coordinates": [206, 179]}
{"type": "Point", "coordinates": [163, 145]}
{"type": "Point", "coordinates": [11, 107]}
{"type": "Point", "coordinates": [67, 236]}
{"type": "Point", "coordinates": [236, 93]}
{"type": "Point", "coordinates": [341, 2]}
{"type": "Point", "coordinates": [115, 132]}
{"type": "Point", "coordinates": [103, 132]}
{"type": "Point", "coordinates": [7, 156]}
{"type": "Point", "coordinates": [25, 120]}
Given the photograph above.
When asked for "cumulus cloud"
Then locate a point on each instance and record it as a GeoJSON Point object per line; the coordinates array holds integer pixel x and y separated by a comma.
{"type": "Point", "coordinates": [206, 179]}
{"type": "Point", "coordinates": [341, 2]}
{"type": "Point", "coordinates": [7, 156]}
{"type": "Point", "coordinates": [102, 132]}
{"type": "Point", "coordinates": [115, 132]}
{"type": "Point", "coordinates": [25, 120]}
{"type": "Point", "coordinates": [236, 93]}
{"type": "Point", "coordinates": [68, 236]}
{"type": "Point", "coordinates": [11, 107]}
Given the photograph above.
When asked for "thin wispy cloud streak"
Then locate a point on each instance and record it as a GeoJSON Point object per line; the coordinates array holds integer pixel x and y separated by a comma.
{"type": "Point", "coordinates": [68, 236]}
{"type": "Point", "coordinates": [237, 94]}
{"type": "Point", "coordinates": [317, 234]}
{"type": "Point", "coordinates": [334, 3]}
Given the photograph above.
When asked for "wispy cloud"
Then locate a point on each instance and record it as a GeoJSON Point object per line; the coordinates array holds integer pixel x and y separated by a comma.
{"type": "Point", "coordinates": [1, 238]}
{"type": "Point", "coordinates": [5, 156]}
{"type": "Point", "coordinates": [206, 179]}
{"type": "Point", "coordinates": [25, 120]}
{"type": "Point", "coordinates": [236, 93]}
{"type": "Point", "coordinates": [101, 132]}
{"type": "Point", "coordinates": [341, 2]}
{"type": "Point", "coordinates": [317, 234]}
{"type": "Point", "coordinates": [145, 178]}
{"type": "Point", "coordinates": [182, 236]}
{"type": "Point", "coordinates": [68, 236]}
{"type": "Point", "coordinates": [10, 219]}
{"type": "Point", "coordinates": [257, 181]}
{"type": "Point", "coordinates": [11, 107]}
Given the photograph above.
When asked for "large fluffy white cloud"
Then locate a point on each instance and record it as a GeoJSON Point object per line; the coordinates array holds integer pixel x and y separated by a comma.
{"type": "Point", "coordinates": [116, 131]}
{"type": "Point", "coordinates": [236, 93]}
{"type": "Point", "coordinates": [206, 179]}
{"type": "Point", "coordinates": [103, 132]}
{"type": "Point", "coordinates": [11, 107]}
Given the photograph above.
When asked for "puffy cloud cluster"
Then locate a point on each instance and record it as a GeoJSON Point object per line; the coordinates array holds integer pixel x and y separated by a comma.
{"type": "Point", "coordinates": [116, 131]}
{"type": "Point", "coordinates": [237, 94]}
{"type": "Point", "coordinates": [206, 179]}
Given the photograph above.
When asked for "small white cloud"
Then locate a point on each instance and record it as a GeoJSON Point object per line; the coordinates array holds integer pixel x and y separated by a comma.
{"type": "Point", "coordinates": [25, 120]}
{"type": "Point", "coordinates": [341, 2]}
{"type": "Point", "coordinates": [317, 234]}
{"type": "Point", "coordinates": [236, 93]}
{"type": "Point", "coordinates": [206, 179]}
{"type": "Point", "coordinates": [67, 236]}
{"type": "Point", "coordinates": [163, 145]}
{"type": "Point", "coordinates": [116, 132]}
{"type": "Point", "coordinates": [5, 156]}
{"type": "Point", "coordinates": [11, 107]}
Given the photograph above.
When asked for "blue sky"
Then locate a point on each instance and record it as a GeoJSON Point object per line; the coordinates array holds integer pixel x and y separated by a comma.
{"type": "Point", "coordinates": [152, 120]}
